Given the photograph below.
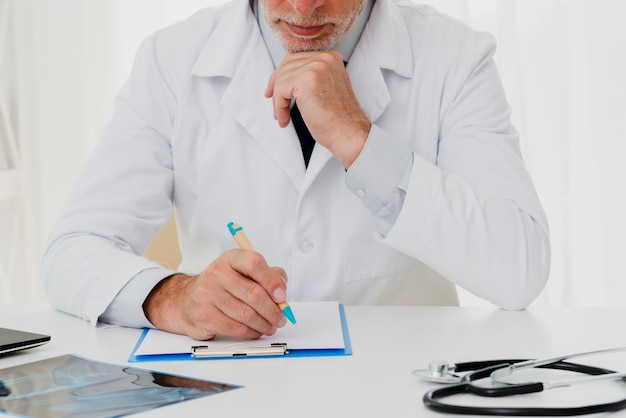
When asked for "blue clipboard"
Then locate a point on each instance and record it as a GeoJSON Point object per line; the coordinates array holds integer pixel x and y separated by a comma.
{"type": "Point", "coordinates": [236, 353]}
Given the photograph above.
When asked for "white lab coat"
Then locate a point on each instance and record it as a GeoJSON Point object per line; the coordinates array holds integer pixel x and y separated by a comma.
{"type": "Point", "coordinates": [192, 126]}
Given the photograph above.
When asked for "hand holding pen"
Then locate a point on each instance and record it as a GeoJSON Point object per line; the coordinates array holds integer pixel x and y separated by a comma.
{"type": "Point", "coordinates": [244, 243]}
{"type": "Point", "coordinates": [236, 295]}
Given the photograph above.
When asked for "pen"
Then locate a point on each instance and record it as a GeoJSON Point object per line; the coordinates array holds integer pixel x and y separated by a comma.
{"type": "Point", "coordinates": [244, 243]}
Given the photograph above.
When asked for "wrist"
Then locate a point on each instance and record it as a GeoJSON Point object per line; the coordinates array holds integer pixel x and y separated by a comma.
{"type": "Point", "coordinates": [349, 149]}
{"type": "Point", "coordinates": [162, 306]}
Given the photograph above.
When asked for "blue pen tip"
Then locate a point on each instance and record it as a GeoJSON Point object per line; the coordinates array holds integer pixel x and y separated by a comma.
{"type": "Point", "coordinates": [287, 312]}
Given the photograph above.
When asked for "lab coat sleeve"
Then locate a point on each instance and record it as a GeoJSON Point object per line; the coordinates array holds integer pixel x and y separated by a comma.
{"type": "Point", "coordinates": [122, 198]}
{"type": "Point", "coordinates": [474, 215]}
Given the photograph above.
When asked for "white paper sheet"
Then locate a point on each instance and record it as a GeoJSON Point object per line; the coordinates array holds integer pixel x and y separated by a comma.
{"type": "Point", "coordinates": [318, 327]}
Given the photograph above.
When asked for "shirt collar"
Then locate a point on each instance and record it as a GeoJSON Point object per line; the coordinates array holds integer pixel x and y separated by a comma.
{"type": "Point", "coordinates": [345, 46]}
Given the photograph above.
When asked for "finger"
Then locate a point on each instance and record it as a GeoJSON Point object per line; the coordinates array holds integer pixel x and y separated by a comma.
{"type": "Point", "coordinates": [278, 103]}
{"type": "Point", "coordinates": [282, 111]}
{"type": "Point", "coordinates": [253, 266]}
{"type": "Point", "coordinates": [280, 89]}
{"type": "Point", "coordinates": [281, 103]}
{"type": "Point", "coordinates": [269, 89]}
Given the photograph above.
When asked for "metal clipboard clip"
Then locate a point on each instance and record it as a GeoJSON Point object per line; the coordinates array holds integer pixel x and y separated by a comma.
{"type": "Point", "coordinates": [239, 350]}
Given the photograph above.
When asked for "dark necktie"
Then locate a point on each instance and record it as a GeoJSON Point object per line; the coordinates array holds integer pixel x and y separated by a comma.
{"type": "Point", "coordinates": [306, 140]}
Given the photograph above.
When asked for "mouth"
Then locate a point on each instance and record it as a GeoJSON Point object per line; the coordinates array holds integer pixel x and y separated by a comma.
{"type": "Point", "coordinates": [305, 31]}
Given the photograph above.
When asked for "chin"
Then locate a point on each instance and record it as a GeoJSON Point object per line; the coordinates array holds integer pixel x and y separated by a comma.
{"type": "Point", "coordinates": [304, 45]}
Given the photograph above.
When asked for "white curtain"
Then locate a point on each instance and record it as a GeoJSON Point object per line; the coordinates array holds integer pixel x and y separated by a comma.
{"type": "Point", "coordinates": [562, 63]}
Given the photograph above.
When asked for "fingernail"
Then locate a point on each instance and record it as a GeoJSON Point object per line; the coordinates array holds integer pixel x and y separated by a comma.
{"type": "Point", "coordinates": [279, 295]}
{"type": "Point", "coordinates": [282, 322]}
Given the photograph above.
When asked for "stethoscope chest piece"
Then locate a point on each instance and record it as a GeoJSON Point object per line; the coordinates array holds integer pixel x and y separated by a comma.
{"type": "Point", "coordinates": [438, 372]}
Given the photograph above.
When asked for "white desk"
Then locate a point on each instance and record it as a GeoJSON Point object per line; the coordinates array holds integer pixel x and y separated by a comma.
{"type": "Point", "coordinates": [376, 381]}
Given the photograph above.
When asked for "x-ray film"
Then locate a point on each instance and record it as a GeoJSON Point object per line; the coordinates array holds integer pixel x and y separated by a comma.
{"type": "Point", "coordinates": [72, 386]}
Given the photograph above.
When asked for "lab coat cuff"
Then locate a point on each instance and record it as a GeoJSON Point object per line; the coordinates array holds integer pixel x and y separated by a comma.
{"type": "Point", "coordinates": [127, 307]}
{"type": "Point", "coordinates": [379, 177]}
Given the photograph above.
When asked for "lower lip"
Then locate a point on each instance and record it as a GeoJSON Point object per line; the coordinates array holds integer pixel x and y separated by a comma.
{"type": "Point", "coordinates": [305, 32]}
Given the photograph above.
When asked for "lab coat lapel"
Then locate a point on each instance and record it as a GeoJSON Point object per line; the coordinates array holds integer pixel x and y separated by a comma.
{"type": "Point", "coordinates": [376, 53]}
{"type": "Point", "coordinates": [242, 56]}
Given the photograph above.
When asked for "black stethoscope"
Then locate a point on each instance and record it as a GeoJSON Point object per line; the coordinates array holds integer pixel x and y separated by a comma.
{"type": "Point", "coordinates": [499, 370]}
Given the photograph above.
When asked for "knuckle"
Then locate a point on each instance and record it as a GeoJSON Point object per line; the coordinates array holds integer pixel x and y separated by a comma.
{"type": "Point", "coordinates": [329, 57]}
{"type": "Point", "coordinates": [204, 335]}
{"type": "Point", "coordinates": [280, 272]}
{"type": "Point", "coordinates": [255, 294]}
{"type": "Point", "coordinates": [238, 330]}
{"type": "Point", "coordinates": [246, 313]}
{"type": "Point", "coordinates": [256, 261]}
{"type": "Point", "coordinates": [242, 331]}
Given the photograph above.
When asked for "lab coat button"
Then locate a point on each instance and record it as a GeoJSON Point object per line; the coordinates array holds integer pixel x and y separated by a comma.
{"type": "Point", "coordinates": [306, 246]}
{"type": "Point", "coordinates": [360, 192]}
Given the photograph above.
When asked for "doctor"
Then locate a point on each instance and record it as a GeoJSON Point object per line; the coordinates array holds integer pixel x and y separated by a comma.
{"type": "Point", "coordinates": [414, 184]}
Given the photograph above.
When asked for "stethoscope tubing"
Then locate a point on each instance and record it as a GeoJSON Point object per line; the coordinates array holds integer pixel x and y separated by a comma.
{"type": "Point", "coordinates": [482, 369]}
